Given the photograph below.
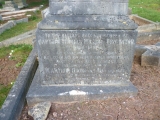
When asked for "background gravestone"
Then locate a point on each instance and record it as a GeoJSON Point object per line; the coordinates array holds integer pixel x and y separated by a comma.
{"type": "Point", "coordinates": [21, 3]}
{"type": "Point", "coordinates": [10, 5]}
{"type": "Point", "coordinates": [85, 51]}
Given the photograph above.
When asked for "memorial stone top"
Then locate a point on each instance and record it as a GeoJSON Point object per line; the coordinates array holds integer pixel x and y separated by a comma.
{"type": "Point", "coordinates": [93, 7]}
{"type": "Point", "coordinates": [88, 14]}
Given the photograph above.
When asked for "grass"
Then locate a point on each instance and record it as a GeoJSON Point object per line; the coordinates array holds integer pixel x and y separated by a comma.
{"type": "Point", "coordinates": [18, 53]}
{"type": "Point", "coordinates": [4, 90]}
{"type": "Point", "coordinates": [149, 9]}
{"type": "Point", "coordinates": [36, 4]}
{"type": "Point", "coordinates": [1, 3]}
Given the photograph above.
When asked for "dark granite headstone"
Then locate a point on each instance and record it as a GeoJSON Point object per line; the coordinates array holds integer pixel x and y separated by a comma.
{"type": "Point", "coordinates": [85, 51]}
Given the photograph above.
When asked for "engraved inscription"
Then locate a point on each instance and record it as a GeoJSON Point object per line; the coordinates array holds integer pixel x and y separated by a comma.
{"type": "Point", "coordinates": [71, 57]}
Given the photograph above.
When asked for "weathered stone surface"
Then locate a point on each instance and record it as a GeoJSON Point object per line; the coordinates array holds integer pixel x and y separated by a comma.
{"type": "Point", "coordinates": [69, 93]}
{"type": "Point", "coordinates": [157, 44]}
{"type": "Point", "coordinates": [44, 12]}
{"type": "Point", "coordinates": [85, 51]}
{"type": "Point", "coordinates": [6, 26]}
{"type": "Point", "coordinates": [139, 50]}
{"type": "Point", "coordinates": [152, 56]}
{"type": "Point", "coordinates": [85, 56]}
{"type": "Point", "coordinates": [40, 110]}
{"type": "Point", "coordinates": [89, 7]}
{"type": "Point", "coordinates": [96, 22]}
{"type": "Point", "coordinates": [11, 23]}
{"type": "Point", "coordinates": [148, 36]}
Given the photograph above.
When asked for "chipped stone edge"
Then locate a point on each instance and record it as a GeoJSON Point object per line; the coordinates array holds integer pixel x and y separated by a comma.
{"type": "Point", "coordinates": [40, 110]}
{"type": "Point", "coordinates": [15, 100]}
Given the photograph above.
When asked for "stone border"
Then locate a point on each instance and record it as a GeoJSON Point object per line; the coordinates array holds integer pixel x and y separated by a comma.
{"type": "Point", "coordinates": [11, 24]}
{"type": "Point", "coordinates": [15, 100]}
{"type": "Point", "coordinates": [145, 24]}
{"type": "Point", "coordinates": [26, 38]}
{"type": "Point", "coordinates": [148, 36]}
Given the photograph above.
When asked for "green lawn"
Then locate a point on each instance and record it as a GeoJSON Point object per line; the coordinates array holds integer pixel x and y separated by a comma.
{"type": "Point", "coordinates": [42, 2]}
{"type": "Point", "coordinates": [18, 53]}
{"type": "Point", "coordinates": [149, 9]}
{"type": "Point", "coordinates": [4, 90]}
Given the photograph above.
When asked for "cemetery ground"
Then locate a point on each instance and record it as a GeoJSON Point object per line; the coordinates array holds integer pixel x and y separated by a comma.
{"type": "Point", "coordinates": [144, 106]}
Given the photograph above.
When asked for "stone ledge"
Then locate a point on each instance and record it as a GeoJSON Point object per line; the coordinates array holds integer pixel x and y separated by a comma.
{"type": "Point", "coordinates": [148, 36]}
{"type": "Point", "coordinates": [11, 24]}
{"type": "Point", "coordinates": [61, 93]}
{"type": "Point", "coordinates": [15, 100]}
{"type": "Point", "coordinates": [26, 38]}
{"type": "Point", "coordinates": [145, 25]}
{"type": "Point", "coordinates": [148, 54]}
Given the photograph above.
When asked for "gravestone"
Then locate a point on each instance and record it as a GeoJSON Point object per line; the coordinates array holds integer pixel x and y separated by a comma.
{"type": "Point", "coordinates": [10, 5]}
{"type": "Point", "coordinates": [21, 3]}
{"type": "Point", "coordinates": [85, 51]}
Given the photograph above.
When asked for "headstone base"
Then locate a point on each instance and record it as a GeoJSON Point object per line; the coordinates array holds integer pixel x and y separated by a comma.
{"type": "Point", "coordinates": [60, 93]}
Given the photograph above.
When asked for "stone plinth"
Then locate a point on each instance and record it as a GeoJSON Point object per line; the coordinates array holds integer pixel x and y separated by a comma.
{"type": "Point", "coordinates": [85, 51]}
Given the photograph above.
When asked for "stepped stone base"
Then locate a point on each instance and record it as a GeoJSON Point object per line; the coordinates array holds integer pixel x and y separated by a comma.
{"type": "Point", "coordinates": [39, 93]}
